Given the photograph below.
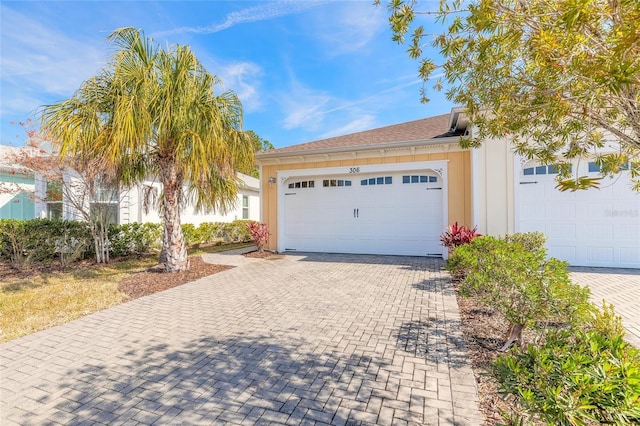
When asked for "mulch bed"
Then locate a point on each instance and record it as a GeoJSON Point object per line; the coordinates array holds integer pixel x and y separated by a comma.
{"type": "Point", "coordinates": [484, 333]}
{"type": "Point", "coordinates": [155, 279]}
{"type": "Point", "coordinates": [263, 255]}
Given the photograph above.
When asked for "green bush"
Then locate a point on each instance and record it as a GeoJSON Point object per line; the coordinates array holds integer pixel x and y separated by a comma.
{"type": "Point", "coordinates": [36, 242]}
{"type": "Point", "coordinates": [134, 238]}
{"type": "Point", "coordinates": [191, 235]}
{"type": "Point", "coordinates": [584, 375]}
{"type": "Point", "coordinates": [73, 241]}
{"type": "Point", "coordinates": [522, 285]}
{"type": "Point", "coordinates": [530, 241]}
{"type": "Point", "coordinates": [239, 231]}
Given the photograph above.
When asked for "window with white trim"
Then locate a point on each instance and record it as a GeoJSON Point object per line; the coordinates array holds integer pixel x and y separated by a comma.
{"type": "Point", "coordinates": [245, 207]}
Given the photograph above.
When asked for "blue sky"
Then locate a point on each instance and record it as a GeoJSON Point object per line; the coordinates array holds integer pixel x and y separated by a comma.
{"type": "Point", "coordinates": [304, 70]}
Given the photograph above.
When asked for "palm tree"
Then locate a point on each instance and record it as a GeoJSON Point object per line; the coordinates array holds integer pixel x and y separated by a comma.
{"type": "Point", "coordinates": [155, 112]}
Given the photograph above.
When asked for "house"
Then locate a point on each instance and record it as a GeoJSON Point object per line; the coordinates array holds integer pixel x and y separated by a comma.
{"type": "Point", "coordinates": [27, 195]}
{"type": "Point", "coordinates": [393, 190]}
{"type": "Point", "coordinates": [128, 205]}
{"type": "Point", "coordinates": [16, 188]}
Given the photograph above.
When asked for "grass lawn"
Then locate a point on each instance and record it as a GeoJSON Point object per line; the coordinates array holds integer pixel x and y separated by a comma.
{"type": "Point", "coordinates": [30, 302]}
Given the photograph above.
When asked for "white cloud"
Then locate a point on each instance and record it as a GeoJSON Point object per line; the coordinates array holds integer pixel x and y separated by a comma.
{"type": "Point", "coordinates": [364, 122]}
{"type": "Point", "coordinates": [265, 11]}
{"type": "Point", "coordinates": [303, 108]}
{"type": "Point", "coordinates": [319, 112]}
{"type": "Point", "coordinates": [349, 26]}
{"type": "Point", "coordinates": [244, 79]}
{"type": "Point", "coordinates": [40, 64]}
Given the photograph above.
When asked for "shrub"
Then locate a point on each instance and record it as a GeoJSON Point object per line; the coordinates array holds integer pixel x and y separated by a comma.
{"type": "Point", "coordinates": [521, 285]}
{"type": "Point", "coordinates": [134, 238]}
{"type": "Point", "coordinates": [456, 235]}
{"type": "Point", "coordinates": [239, 231]}
{"type": "Point", "coordinates": [191, 235]}
{"type": "Point", "coordinates": [579, 376]}
{"type": "Point", "coordinates": [530, 241]}
{"type": "Point", "coordinates": [36, 242]}
{"type": "Point", "coordinates": [73, 241]}
{"type": "Point", "coordinates": [259, 233]}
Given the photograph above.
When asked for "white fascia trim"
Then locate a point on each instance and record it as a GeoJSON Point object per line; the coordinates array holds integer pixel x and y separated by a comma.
{"type": "Point", "coordinates": [440, 166]}
{"type": "Point", "coordinates": [447, 140]}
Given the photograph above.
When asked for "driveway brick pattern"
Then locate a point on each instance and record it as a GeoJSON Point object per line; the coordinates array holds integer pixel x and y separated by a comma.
{"type": "Point", "coordinates": [621, 288]}
{"type": "Point", "coordinates": [302, 339]}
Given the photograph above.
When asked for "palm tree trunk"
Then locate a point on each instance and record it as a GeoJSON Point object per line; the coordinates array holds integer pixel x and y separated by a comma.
{"type": "Point", "coordinates": [173, 243]}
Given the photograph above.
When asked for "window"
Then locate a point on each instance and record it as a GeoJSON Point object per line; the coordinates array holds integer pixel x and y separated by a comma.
{"type": "Point", "coordinates": [54, 190]}
{"type": "Point", "coordinates": [245, 206]}
{"type": "Point", "coordinates": [107, 212]}
{"type": "Point", "coordinates": [303, 184]}
{"type": "Point", "coordinates": [593, 167]}
{"type": "Point", "coordinates": [383, 180]}
{"type": "Point", "coordinates": [329, 183]}
{"type": "Point", "coordinates": [419, 179]}
{"type": "Point", "coordinates": [543, 170]}
{"type": "Point", "coordinates": [54, 210]}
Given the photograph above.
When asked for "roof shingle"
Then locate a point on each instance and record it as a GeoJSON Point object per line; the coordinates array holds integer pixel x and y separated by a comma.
{"type": "Point", "coordinates": [417, 130]}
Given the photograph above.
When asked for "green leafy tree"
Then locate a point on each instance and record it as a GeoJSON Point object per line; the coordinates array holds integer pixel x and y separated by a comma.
{"type": "Point", "coordinates": [561, 78]}
{"type": "Point", "coordinates": [153, 112]}
{"type": "Point", "coordinates": [259, 145]}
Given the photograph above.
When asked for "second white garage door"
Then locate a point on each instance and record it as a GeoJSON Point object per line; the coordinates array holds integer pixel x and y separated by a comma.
{"type": "Point", "coordinates": [383, 213]}
{"type": "Point", "coordinates": [596, 227]}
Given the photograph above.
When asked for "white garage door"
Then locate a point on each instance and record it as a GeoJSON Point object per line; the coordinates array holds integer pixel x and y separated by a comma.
{"type": "Point", "coordinates": [382, 213]}
{"type": "Point", "coordinates": [586, 228]}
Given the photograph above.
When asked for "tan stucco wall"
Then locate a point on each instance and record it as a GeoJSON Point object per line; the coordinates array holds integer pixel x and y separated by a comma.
{"type": "Point", "coordinates": [459, 178]}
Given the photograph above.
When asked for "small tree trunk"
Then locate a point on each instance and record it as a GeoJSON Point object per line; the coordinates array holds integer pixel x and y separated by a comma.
{"type": "Point", "coordinates": [173, 239]}
{"type": "Point", "coordinates": [163, 251]}
{"type": "Point", "coordinates": [515, 336]}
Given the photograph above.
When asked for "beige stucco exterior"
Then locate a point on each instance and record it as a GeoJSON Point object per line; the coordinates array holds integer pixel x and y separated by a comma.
{"type": "Point", "coordinates": [459, 175]}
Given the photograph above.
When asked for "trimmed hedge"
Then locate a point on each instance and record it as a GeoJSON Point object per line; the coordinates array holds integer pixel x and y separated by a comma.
{"type": "Point", "coordinates": [38, 242]}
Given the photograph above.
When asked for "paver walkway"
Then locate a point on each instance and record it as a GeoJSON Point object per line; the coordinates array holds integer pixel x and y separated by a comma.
{"type": "Point", "coordinates": [621, 288]}
{"type": "Point", "coordinates": [303, 339]}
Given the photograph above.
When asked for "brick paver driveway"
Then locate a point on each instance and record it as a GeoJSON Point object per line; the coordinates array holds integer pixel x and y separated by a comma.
{"type": "Point", "coordinates": [304, 339]}
{"type": "Point", "coordinates": [621, 288]}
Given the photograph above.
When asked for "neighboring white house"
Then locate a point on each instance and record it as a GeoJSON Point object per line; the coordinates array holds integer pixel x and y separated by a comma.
{"type": "Point", "coordinates": [394, 189]}
{"type": "Point", "coordinates": [25, 195]}
{"type": "Point", "coordinates": [247, 205]}
{"type": "Point", "coordinates": [127, 206]}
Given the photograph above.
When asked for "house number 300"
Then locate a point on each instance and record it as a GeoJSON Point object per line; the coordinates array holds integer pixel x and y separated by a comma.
{"type": "Point", "coordinates": [354, 170]}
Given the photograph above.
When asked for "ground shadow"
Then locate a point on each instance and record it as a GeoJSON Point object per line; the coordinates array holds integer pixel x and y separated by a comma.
{"type": "Point", "coordinates": [421, 263]}
{"type": "Point", "coordinates": [249, 379]}
{"type": "Point", "coordinates": [606, 271]}
{"type": "Point", "coordinates": [434, 340]}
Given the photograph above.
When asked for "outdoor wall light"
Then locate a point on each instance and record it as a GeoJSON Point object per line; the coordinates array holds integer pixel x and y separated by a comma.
{"type": "Point", "coordinates": [272, 180]}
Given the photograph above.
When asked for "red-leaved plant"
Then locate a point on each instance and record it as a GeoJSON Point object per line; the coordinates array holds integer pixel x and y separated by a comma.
{"type": "Point", "coordinates": [456, 235]}
{"type": "Point", "coordinates": [259, 233]}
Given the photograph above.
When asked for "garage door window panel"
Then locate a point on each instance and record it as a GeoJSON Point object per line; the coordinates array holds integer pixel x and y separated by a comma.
{"type": "Point", "coordinates": [334, 183]}
{"type": "Point", "coordinates": [380, 180]}
{"type": "Point", "coordinates": [419, 179]}
{"type": "Point", "coordinates": [302, 184]}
